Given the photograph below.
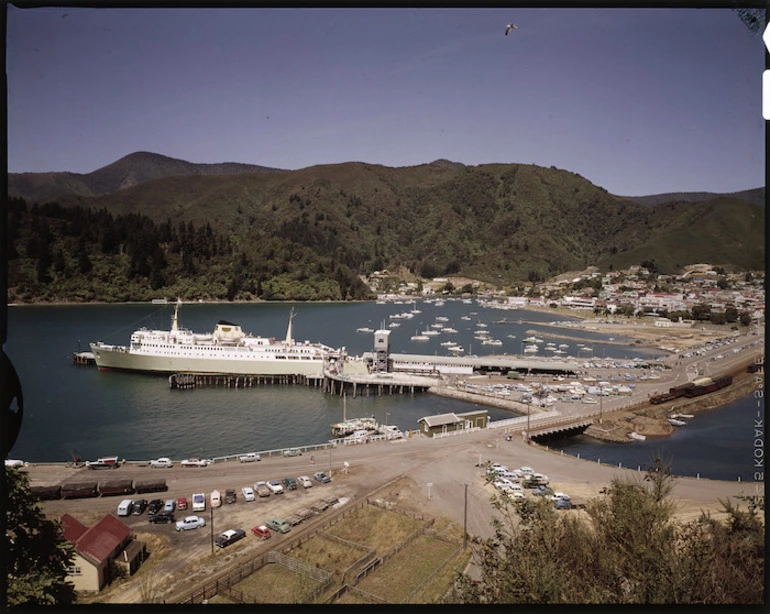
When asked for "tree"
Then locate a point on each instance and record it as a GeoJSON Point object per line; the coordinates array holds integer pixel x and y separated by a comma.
{"type": "Point", "coordinates": [38, 556]}
{"type": "Point", "coordinates": [629, 548]}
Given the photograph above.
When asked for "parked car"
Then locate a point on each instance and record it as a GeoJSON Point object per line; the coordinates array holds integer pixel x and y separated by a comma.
{"type": "Point", "coordinates": [195, 462]}
{"type": "Point", "coordinates": [320, 476]}
{"type": "Point", "coordinates": [278, 524]}
{"type": "Point", "coordinates": [562, 504]}
{"type": "Point", "coordinates": [191, 522]}
{"type": "Point", "coordinates": [289, 483]}
{"type": "Point", "coordinates": [230, 495]}
{"type": "Point", "coordinates": [229, 537]}
{"type": "Point", "coordinates": [262, 532]}
{"type": "Point", "coordinates": [250, 457]}
{"type": "Point", "coordinates": [292, 452]}
{"type": "Point", "coordinates": [199, 502]}
{"type": "Point", "coordinates": [154, 506]}
{"type": "Point", "coordinates": [169, 505]}
{"type": "Point", "coordinates": [305, 481]}
{"type": "Point", "coordinates": [542, 490]}
{"type": "Point", "coordinates": [139, 506]}
{"type": "Point", "coordinates": [262, 489]}
{"type": "Point", "coordinates": [275, 486]}
{"type": "Point", "coordinates": [181, 503]}
{"type": "Point", "coordinates": [161, 463]}
{"type": "Point", "coordinates": [248, 493]}
{"type": "Point", "coordinates": [162, 518]}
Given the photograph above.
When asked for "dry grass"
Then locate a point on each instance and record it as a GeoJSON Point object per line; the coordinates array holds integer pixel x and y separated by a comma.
{"type": "Point", "coordinates": [275, 583]}
{"type": "Point", "coordinates": [328, 554]}
{"type": "Point", "coordinates": [403, 573]}
{"type": "Point", "coordinates": [375, 527]}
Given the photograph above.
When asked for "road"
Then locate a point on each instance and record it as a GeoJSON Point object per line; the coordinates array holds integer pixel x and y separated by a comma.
{"type": "Point", "coordinates": [447, 464]}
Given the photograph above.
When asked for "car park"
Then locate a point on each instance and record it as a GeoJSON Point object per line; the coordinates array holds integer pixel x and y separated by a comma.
{"type": "Point", "coordinates": [262, 532]}
{"type": "Point", "coordinates": [249, 458]}
{"type": "Point", "coordinates": [292, 452]}
{"type": "Point", "coordinates": [161, 463]}
{"type": "Point", "coordinates": [248, 493]}
{"type": "Point", "coordinates": [189, 523]}
{"type": "Point", "coordinates": [278, 524]}
{"type": "Point", "coordinates": [289, 483]}
{"type": "Point", "coordinates": [320, 476]}
{"type": "Point", "coordinates": [262, 489]}
{"type": "Point", "coordinates": [229, 537]}
{"type": "Point", "coordinates": [230, 496]}
{"type": "Point", "coordinates": [169, 505]}
{"type": "Point", "coordinates": [275, 487]}
{"type": "Point", "coordinates": [199, 502]}
{"type": "Point", "coordinates": [305, 481]}
{"type": "Point", "coordinates": [195, 462]}
{"type": "Point", "coordinates": [181, 503]}
{"type": "Point", "coordinates": [162, 518]}
{"type": "Point", "coordinates": [139, 506]}
{"type": "Point", "coordinates": [154, 506]}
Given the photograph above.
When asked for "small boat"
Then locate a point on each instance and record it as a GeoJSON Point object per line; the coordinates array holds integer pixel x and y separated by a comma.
{"type": "Point", "coordinates": [675, 422]}
{"type": "Point", "coordinates": [449, 330]}
{"type": "Point", "coordinates": [637, 436]}
{"type": "Point", "coordinates": [511, 336]}
{"type": "Point", "coordinates": [420, 338]}
{"type": "Point", "coordinates": [364, 329]}
{"type": "Point", "coordinates": [466, 318]}
{"type": "Point", "coordinates": [491, 342]}
{"type": "Point", "coordinates": [456, 348]}
{"type": "Point", "coordinates": [430, 333]}
{"type": "Point", "coordinates": [529, 340]}
{"type": "Point", "coordinates": [442, 319]}
{"type": "Point", "coordinates": [394, 324]}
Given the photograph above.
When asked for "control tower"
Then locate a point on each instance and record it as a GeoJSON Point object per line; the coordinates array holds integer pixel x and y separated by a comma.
{"type": "Point", "coordinates": [382, 351]}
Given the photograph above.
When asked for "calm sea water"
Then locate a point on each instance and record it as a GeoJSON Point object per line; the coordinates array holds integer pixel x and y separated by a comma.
{"type": "Point", "coordinates": [138, 417]}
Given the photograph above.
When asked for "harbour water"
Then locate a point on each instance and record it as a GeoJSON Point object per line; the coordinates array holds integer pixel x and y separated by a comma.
{"type": "Point", "coordinates": [137, 417]}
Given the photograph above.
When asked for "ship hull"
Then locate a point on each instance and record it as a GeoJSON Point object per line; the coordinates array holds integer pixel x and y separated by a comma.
{"type": "Point", "coordinates": [118, 359]}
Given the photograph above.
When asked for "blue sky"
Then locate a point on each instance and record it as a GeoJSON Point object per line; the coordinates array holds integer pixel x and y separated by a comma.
{"type": "Point", "coordinates": [638, 101]}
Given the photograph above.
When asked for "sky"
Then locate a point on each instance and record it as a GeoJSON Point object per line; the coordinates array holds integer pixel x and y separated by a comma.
{"type": "Point", "coordinates": [637, 101]}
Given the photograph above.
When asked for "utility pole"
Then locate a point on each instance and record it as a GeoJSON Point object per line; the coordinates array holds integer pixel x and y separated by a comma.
{"type": "Point", "coordinates": [211, 508]}
{"type": "Point", "coordinates": [465, 519]}
{"type": "Point", "coordinates": [330, 460]}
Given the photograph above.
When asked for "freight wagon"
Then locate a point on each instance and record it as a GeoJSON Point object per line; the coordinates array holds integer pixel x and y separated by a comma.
{"type": "Point", "coordinates": [116, 487]}
{"type": "Point", "coordinates": [158, 485]}
{"type": "Point", "coordinates": [46, 493]}
{"type": "Point", "coordinates": [78, 490]}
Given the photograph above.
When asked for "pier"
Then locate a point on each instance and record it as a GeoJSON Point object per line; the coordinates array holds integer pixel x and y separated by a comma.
{"type": "Point", "coordinates": [376, 383]}
{"type": "Point", "coordinates": [184, 381]}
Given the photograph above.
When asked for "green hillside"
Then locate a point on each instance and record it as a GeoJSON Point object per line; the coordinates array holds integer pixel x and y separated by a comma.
{"type": "Point", "coordinates": [500, 223]}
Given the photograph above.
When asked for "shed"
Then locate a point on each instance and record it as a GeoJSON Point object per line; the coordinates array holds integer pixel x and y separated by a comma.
{"type": "Point", "coordinates": [444, 423]}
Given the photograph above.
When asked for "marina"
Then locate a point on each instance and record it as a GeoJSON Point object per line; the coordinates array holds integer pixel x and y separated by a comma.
{"type": "Point", "coordinates": [219, 419]}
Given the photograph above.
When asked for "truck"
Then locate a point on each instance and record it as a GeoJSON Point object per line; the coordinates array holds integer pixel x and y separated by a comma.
{"type": "Point", "coordinates": [105, 462]}
{"type": "Point", "coordinates": [249, 458]}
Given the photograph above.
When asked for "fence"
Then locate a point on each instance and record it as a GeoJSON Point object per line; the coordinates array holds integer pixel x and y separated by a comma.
{"type": "Point", "coordinates": [472, 429]}
{"type": "Point", "coordinates": [435, 572]}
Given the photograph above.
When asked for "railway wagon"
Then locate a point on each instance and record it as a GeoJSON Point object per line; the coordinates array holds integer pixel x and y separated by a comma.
{"type": "Point", "coordinates": [158, 485]}
{"type": "Point", "coordinates": [46, 493]}
{"type": "Point", "coordinates": [79, 490]}
{"type": "Point", "coordinates": [116, 487]}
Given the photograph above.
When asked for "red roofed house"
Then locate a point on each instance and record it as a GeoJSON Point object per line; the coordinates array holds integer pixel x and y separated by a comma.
{"type": "Point", "coordinates": [96, 547]}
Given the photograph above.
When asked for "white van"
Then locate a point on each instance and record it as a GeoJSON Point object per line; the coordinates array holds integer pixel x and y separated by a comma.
{"type": "Point", "coordinates": [126, 507]}
{"type": "Point", "coordinates": [199, 502]}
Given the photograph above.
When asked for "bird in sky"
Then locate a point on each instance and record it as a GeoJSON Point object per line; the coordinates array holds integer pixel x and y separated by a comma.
{"type": "Point", "coordinates": [509, 27]}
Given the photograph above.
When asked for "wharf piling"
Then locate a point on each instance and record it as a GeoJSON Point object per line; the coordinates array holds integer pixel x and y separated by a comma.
{"type": "Point", "coordinates": [185, 381]}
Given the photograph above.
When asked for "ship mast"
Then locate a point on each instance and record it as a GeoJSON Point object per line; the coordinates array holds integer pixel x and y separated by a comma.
{"type": "Point", "coordinates": [174, 321]}
{"type": "Point", "coordinates": [289, 341]}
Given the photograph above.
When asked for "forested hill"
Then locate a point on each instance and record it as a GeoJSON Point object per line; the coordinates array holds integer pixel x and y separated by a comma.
{"type": "Point", "coordinates": [755, 196]}
{"type": "Point", "coordinates": [500, 223]}
{"type": "Point", "coordinates": [129, 171]}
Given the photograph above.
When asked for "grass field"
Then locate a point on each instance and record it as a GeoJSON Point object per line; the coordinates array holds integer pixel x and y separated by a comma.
{"type": "Point", "coordinates": [376, 527]}
{"type": "Point", "coordinates": [275, 583]}
{"type": "Point", "coordinates": [404, 572]}
{"type": "Point", "coordinates": [328, 554]}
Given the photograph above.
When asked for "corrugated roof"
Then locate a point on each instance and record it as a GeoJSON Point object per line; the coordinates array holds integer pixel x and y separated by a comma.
{"type": "Point", "coordinates": [101, 539]}
{"type": "Point", "coordinates": [73, 528]}
{"type": "Point", "coordinates": [440, 419]}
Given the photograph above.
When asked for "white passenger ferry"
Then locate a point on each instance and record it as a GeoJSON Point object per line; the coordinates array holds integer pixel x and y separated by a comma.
{"type": "Point", "coordinates": [228, 350]}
